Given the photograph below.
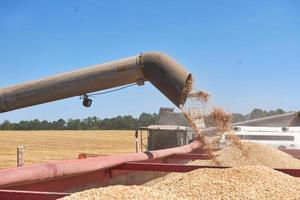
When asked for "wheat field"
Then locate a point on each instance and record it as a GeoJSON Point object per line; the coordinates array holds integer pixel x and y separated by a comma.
{"type": "Point", "coordinates": [42, 146]}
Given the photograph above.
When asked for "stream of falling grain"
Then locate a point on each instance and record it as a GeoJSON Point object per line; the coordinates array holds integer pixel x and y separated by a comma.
{"type": "Point", "coordinates": [217, 118]}
{"type": "Point", "coordinates": [203, 97]}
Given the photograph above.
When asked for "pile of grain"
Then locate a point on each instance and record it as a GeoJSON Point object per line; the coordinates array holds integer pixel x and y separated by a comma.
{"type": "Point", "coordinates": [162, 178]}
{"type": "Point", "coordinates": [258, 154]}
{"type": "Point", "coordinates": [253, 154]}
{"type": "Point", "coordinates": [120, 192]}
{"type": "Point", "coordinates": [246, 182]}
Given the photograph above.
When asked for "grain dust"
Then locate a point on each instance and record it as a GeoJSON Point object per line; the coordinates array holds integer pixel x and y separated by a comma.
{"type": "Point", "coordinates": [221, 119]}
{"type": "Point", "coordinates": [199, 96]}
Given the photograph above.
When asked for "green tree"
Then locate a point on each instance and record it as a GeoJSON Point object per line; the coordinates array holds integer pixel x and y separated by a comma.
{"type": "Point", "coordinates": [147, 119]}
{"type": "Point", "coordinates": [6, 125]}
{"type": "Point", "coordinates": [90, 123]}
{"type": "Point", "coordinates": [237, 117]}
{"type": "Point", "coordinates": [74, 124]}
{"type": "Point", "coordinates": [257, 113]}
{"type": "Point", "coordinates": [126, 122]}
{"type": "Point", "coordinates": [59, 124]}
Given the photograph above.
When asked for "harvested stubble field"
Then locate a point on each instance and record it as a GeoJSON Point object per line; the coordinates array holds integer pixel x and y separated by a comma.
{"type": "Point", "coordinates": [41, 146]}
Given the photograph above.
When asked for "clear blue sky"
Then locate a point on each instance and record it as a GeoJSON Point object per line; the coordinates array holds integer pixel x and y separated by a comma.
{"type": "Point", "coordinates": [245, 53]}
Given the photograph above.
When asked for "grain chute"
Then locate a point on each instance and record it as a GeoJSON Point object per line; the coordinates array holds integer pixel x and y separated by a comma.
{"type": "Point", "coordinates": [162, 71]}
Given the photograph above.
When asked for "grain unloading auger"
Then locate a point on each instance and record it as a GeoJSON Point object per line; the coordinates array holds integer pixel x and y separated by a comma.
{"type": "Point", "coordinates": [162, 71]}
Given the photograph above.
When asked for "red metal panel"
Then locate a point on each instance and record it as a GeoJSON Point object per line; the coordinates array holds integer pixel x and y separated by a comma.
{"type": "Point", "coordinates": [44, 177]}
{"type": "Point", "coordinates": [30, 195]}
{"type": "Point", "coordinates": [162, 167]}
{"type": "Point", "coordinates": [67, 184]}
{"type": "Point", "coordinates": [293, 152]}
{"type": "Point", "coordinates": [297, 157]}
{"type": "Point", "coordinates": [291, 172]}
{"type": "Point", "coordinates": [138, 166]}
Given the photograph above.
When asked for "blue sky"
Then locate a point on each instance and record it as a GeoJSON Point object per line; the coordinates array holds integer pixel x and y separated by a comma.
{"type": "Point", "coordinates": [245, 53]}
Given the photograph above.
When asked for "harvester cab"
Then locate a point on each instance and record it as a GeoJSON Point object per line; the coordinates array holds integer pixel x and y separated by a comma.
{"type": "Point", "coordinates": [170, 130]}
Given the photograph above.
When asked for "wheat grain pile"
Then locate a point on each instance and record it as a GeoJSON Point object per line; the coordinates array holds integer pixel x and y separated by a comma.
{"type": "Point", "coordinates": [244, 182]}
{"type": "Point", "coordinates": [253, 154]}
{"type": "Point", "coordinates": [162, 178]}
{"type": "Point", "coordinates": [120, 192]}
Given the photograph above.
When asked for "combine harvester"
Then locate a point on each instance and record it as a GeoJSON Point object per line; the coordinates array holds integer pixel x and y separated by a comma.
{"type": "Point", "coordinates": [279, 131]}
{"type": "Point", "coordinates": [61, 178]}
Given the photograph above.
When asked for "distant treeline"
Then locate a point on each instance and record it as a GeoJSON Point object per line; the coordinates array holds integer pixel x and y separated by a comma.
{"type": "Point", "coordinates": [126, 122]}
{"type": "Point", "coordinates": [255, 114]}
